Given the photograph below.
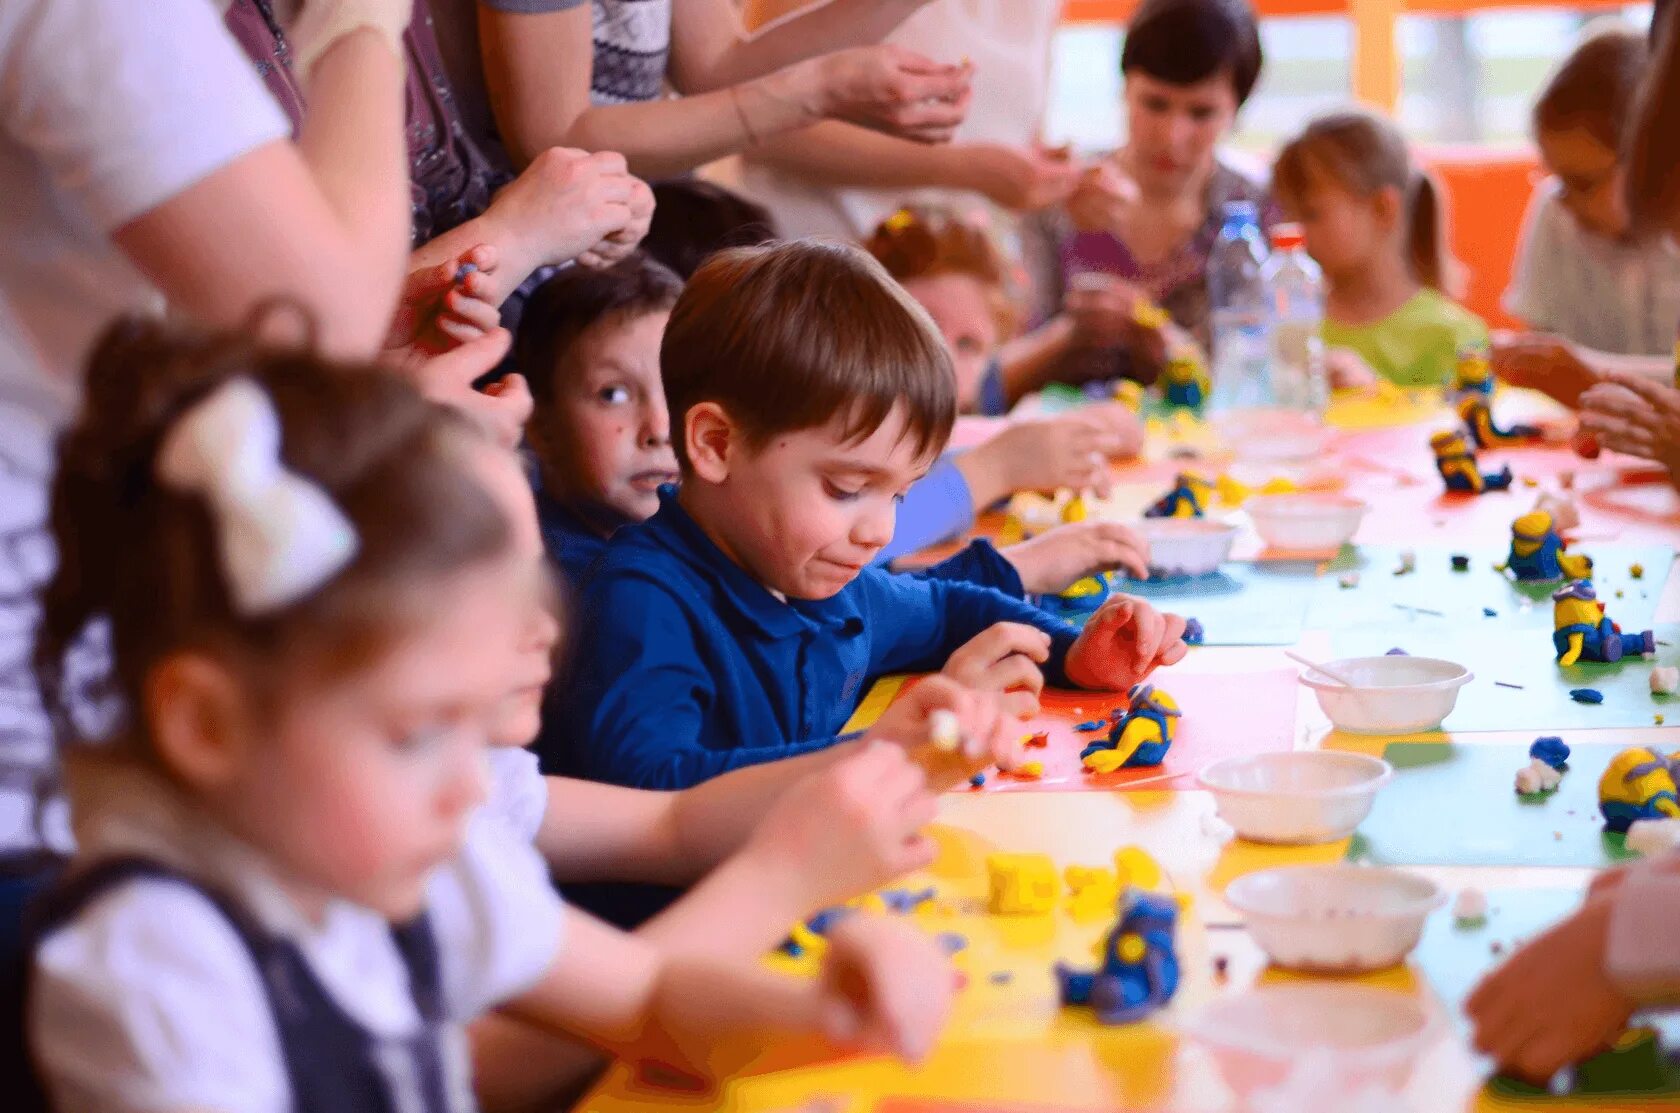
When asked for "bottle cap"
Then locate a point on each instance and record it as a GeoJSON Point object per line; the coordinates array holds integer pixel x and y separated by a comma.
{"type": "Point", "coordinates": [1287, 237]}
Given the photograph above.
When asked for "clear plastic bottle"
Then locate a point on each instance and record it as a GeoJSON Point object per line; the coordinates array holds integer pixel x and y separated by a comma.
{"type": "Point", "coordinates": [1241, 312]}
{"type": "Point", "coordinates": [1296, 284]}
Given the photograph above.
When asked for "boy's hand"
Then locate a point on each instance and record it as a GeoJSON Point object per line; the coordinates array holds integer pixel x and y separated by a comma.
{"type": "Point", "coordinates": [887, 987]}
{"type": "Point", "coordinates": [1123, 643]}
{"type": "Point", "coordinates": [1058, 558]}
{"type": "Point", "coordinates": [990, 733]}
{"type": "Point", "coordinates": [1542, 362]}
{"type": "Point", "coordinates": [1552, 1004]}
{"type": "Point", "coordinates": [1004, 658]}
{"type": "Point", "coordinates": [849, 829]}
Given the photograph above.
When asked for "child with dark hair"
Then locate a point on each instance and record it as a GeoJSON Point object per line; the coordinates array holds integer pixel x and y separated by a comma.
{"type": "Point", "coordinates": [1373, 221]}
{"type": "Point", "coordinates": [693, 218]}
{"type": "Point", "coordinates": [743, 621]}
{"type": "Point", "coordinates": [601, 442]}
{"type": "Point", "coordinates": [1147, 216]}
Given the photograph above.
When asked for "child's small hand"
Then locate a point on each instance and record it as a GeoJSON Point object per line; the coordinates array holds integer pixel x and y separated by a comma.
{"type": "Point", "coordinates": [1059, 558]}
{"type": "Point", "coordinates": [1348, 370]}
{"type": "Point", "coordinates": [1123, 643]}
{"type": "Point", "coordinates": [1004, 658]}
{"type": "Point", "coordinates": [440, 307]}
{"type": "Point", "coordinates": [990, 732]}
{"type": "Point", "coordinates": [887, 987]}
{"type": "Point", "coordinates": [1542, 362]}
{"type": "Point", "coordinates": [849, 829]}
{"type": "Point", "coordinates": [502, 409]}
{"type": "Point", "coordinates": [1551, 1004]}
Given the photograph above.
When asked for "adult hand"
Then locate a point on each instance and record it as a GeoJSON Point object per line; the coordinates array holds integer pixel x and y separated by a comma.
{"type": "Point", "coordinates": [1103, 199]}
{"type": "Point", "coordinates": [1123, 643]}
{"type": "Point", "coordinates": [988, 732]}
{"type": "Point", "coordinates": [1542, 362]}
{"type": "Point", "coordinates": [1635, 415]}
{"type": "Point", "coordinates": [1059, 558]}
{"type": "Point", "coordinates": [1515, 1010]}
{"type": "Point", "coordinates": [1025, 179]}
{"type": "Point", "coordinates": [567, 204]}
{"type": "Point", "coordinates": [889, 89]}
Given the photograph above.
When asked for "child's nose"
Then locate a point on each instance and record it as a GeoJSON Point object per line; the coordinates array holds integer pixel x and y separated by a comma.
{"type": "Point", "coordinates": [875, 528]}
{"type": "Point", "coordinates": [656, 425]}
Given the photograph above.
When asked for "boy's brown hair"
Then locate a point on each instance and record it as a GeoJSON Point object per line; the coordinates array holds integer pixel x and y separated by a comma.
{"type": "Point", "coordinates": [922, 241]}
{"type": "Point", "coordinates": [788, 336]}
{"type": "Point", "coordinates": [1365, 153]}
{"type": "Point", "coordinates": [1594, 88]}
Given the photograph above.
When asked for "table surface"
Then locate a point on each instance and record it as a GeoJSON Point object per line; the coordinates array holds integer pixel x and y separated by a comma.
{"type": "Point", "coordinates": [1009, 1046]}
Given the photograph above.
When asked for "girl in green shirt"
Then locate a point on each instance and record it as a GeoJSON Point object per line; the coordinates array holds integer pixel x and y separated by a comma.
{"type": "Point", "coordinates": [1373, 223]}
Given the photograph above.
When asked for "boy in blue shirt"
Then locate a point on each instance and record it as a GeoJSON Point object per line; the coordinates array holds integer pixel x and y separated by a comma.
{"type": "Point", "coordinates": [743, 621]}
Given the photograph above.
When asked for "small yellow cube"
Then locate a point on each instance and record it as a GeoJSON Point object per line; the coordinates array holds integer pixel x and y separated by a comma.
{"type": "Point", "coordinates": [1136, 868]}
{"type": "Point", "coordinates": [1021, 884]}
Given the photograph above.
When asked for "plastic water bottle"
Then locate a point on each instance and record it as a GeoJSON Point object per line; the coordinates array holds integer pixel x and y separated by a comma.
{"type": "Point", "coordinates": [1296, 284]}
{"type": "Point", "coordinates": [1241, 312]}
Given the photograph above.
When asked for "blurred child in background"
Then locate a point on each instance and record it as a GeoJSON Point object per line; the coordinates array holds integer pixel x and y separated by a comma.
{"type": "Point", "coordinates": [1373, 223]}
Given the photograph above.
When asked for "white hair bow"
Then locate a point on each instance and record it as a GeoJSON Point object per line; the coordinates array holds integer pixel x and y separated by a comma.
{"type": "Point", "coordinates": [280, 535]}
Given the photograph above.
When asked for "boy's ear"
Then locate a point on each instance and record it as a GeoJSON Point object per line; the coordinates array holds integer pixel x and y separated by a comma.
{"type": "Point", "coordinates": [711, 439]}
{"type": "Point", "coordinates": [198, 718]}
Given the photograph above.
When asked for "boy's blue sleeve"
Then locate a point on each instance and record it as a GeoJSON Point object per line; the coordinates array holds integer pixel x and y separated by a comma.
{"type": "Point", "coordinates": [638, 710]}
{"type": "Point", "coordinates": [979, 563]}
{"type": "Point", "coordinates": [919, 622]}
{"type": "Point", "coordinates": [937, 506]}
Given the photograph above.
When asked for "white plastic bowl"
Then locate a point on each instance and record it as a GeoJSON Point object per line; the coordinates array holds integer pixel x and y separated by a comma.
{"type": "Point", "coordinates": [1335, 919]}
{"type": "Point", "coordinates": [1306, 521]}
{"type": "Point", "coordinates": [1358, 1037]}
{"type": "Point", "coordinates": [1298, 798]}
{"type": "Point", "coordinates": [1272, 435]}
{"type": "Point", "coordinates": [1393, 695]}
{"type": "Point", "coordinates": [1187, 546]}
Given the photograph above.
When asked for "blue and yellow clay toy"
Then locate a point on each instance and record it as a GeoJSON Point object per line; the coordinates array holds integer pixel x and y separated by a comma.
{"type": "Point", "coordinates": [1139, 972]}
{"type": "Point", "coordinates": [1129, 393]}
{"type": "Point", "coordinates": [1140, 737]}
{"type": "Point", "coordinates": [1189, 498]}
{"type": "Point", "coordinates": [1537, 552]}
{"type": "Point", "coordinates": [1638, 784]}
{"type": "Point", "coordinates": [1184, 380]}
{"type": "Point", "coordinates": [1457, 465]}
{"type": "Point", "coordinates": [1581, 631]}
{"type": "Point", "coordinates": [1474, 372]}
{"type": "Point", "coordinates": [1477, 415]}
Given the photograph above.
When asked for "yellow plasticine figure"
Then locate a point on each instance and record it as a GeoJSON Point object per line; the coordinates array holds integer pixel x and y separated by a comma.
{"type": "Point", "coordinates": [1076, 510]}
{"type": "Point", "coordinates": [1537, 552]}
{"type": "Point", "coordinates": [1190, 497]}
{"type": "Point", "coordinates": [1474, 372]}
{"type": "Point", "coordinates": [1021, 884]}
{"type": "Point", "coordinates": [1477, 415]}
{"type": "Point", "coordinates": [1457, 465]}
{"type": "Point", "coordinates": [1129, 393]}
{"type": "Point", "coordinates": [1150, 316]}
{"type": "Point", "coordinates": [1141, 736]}
{"type": "Point", "coordinates": [1184, 380]}
{"type": "Point", "coordinates": [1638, 784]}
{"type": "Point", "coordinates": [1581, 631]}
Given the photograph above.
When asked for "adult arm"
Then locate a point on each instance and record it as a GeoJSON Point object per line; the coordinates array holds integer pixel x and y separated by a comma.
{"type": "Point", "coordinates": [709, 50]}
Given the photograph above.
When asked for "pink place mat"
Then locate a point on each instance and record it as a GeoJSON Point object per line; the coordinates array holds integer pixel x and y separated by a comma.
{"type": "Point", "coordinates": [1225, 715]}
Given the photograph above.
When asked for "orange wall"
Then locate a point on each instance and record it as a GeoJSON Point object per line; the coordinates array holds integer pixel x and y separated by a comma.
{"type": "Point", "coordinates": [1487, 194]}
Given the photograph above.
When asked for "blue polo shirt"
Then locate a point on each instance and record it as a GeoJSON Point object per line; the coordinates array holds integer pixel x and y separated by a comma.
{"type": "Point", "coordinates": [686, 667]}
{"type": "Point", "coordinates": [573, 542]}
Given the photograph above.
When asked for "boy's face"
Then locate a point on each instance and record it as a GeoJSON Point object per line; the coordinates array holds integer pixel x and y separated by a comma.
{"type": "Point", "coordinates": [1589, 181]}
{"type": "Point", "coordinates": [805, 512]}
{"type": "Point", "coordinates": [606, 439]}
{"type": "Point", "coordinates": [959, 306]}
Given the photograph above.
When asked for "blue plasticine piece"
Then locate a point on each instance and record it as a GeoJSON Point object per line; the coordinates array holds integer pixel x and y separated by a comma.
{"type": "Point", "coordinates": [1397, 652]}
{"type": "Point", "coordinates": [951, 942]}
{"type": "Point", "coordinates": [1490, 612]}
{"type": "Point", "coordinates": [1002, 977]}
{"type": "Point", "coordinates": [465, 269]}
{"type": "Point", "coordinates": [1586, 695]}
{"type": "Point", "coordinates": [825, 920]}
{"type": "Point", "coordinates": [1551, 750]}
{"type": "Point", "coordinates": [1127, 989]}
{"type": "Point", "coordinates": [977, 780]}
{"type": "Point", "coordinates": [904, 901]}
{"type": "Point", "coordinates": [1193, 632]}
{"type": "Point", "coordinates": [1090, 725]}
{"type": "Point", "coordinates": [792, 949]}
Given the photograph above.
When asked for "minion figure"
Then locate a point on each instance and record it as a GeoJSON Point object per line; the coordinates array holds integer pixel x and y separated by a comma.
{"type": "Point", "coordinates": [1085, 596]}
{"type": "Point", "coordinates": [1185, 380]}
{"type": "Point", "coordinates": [1189, 498]}
{"type": "Point", "coordinates": [1638, 784]}
{"type": "Point", "coordinates": [1477, 415]}
{"type": "Point", "coordinates": [1537, 552]}
{"type": "Point", "coordinates": [1457, 465]}
{"type": "Point", "coordinates": [1581, 631]}
{"type": "Point", "coordinates": [1129, 393]}
{"type": "Point", "coordinates": [1474, 372]}
{"type": "Point", "coordinates": [1139, 972]}
{"type": "Point", "coordinates": [1140, 737]}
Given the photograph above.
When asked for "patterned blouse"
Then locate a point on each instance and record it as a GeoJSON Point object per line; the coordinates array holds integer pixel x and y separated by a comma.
{"type": "Point", "coordinates": [632, 48]}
